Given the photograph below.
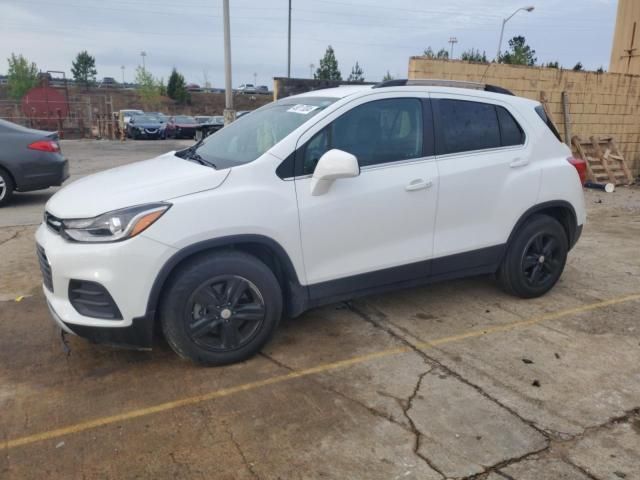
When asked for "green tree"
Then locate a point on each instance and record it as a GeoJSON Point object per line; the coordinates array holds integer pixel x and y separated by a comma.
{"type": "Point", "coordinates": [443, 54]}
{"type": "Point", "coordinates": [519, 53]}
{"type": "Point", "coordinates": [148, 88]}
{"type": "Point", "coordinates": [578, 67]}
{"type": "Point", "coordinates": [552, 65]}
{"type": "Point", "coordinates": [387, 77]}
{"type": "Point", "coordinates": [84, 70]}
{"type": "Point", "coordinates": [600, 70]}
{"type": "Point", "coordinates": [357, 75]}
{"type": "Point", "coordinates": [177, 87]}
{"type": "Point", "coordinates": [328, 69]}
{"type": "Point", "coordinates": [475, 56]}
{"type": "Point", "coordinates": [21, 76]}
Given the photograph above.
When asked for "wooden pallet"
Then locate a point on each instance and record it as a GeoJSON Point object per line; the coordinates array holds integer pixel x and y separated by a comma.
{"type": "Point", "coordinates": [605, 163]}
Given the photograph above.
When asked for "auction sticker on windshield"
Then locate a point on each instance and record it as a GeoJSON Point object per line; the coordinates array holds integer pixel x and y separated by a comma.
{"type": "Point", "coordinates": [302, 109]}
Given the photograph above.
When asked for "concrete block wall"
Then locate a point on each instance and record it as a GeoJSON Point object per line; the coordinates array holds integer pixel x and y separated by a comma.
{"type": "Point", "coordinates": [601, 104]}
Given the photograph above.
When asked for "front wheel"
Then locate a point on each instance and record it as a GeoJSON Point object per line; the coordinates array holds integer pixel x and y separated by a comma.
{"type": "Point", "coordinates": [221, 308]}
{"type": "Point", "coordinates": [535, 258]}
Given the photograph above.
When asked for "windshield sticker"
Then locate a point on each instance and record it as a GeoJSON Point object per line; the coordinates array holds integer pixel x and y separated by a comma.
{"type": "Point", "coordinates": [302, 109]}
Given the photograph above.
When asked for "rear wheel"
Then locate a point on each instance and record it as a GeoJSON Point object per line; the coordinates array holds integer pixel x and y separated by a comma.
{"type": "Point", "coordinates": [222, 308]}
{"type": "Point", "coordinates": [6, 187]}
{"type": "Point", "coordinates": [535, 258]}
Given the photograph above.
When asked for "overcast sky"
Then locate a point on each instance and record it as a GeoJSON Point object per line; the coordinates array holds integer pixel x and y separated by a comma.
{"type": "Point", "coordinates": [380, 34]}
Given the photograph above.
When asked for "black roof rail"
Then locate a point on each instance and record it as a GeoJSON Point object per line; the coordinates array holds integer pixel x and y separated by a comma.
{"type": "Point", "coordinates": [400, 82]}
{"type": "Point", "coordinates": [444, 83]}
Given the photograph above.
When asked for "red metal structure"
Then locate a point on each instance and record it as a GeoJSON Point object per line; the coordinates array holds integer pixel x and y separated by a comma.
{"type": "Point", "coordinates": [45, 107]}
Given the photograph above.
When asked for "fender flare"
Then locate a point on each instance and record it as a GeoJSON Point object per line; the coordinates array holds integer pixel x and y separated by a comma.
{"type": "Point", "coordinates": [297, 292]}
{"type": "Point", "coordinates": [573, 233]}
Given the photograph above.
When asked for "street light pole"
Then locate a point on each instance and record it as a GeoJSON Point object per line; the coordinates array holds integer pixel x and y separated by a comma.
{"type": "Point", "coordinates": [229, 112]}
{"type": "Point", "coordinates": [504, 21]}
{"type": "Point", "coordinates": [143, 54]}
{"type": "Point", "coordinates": [122, 68]}
{"type": "Point", "coordinates": [289, 45]}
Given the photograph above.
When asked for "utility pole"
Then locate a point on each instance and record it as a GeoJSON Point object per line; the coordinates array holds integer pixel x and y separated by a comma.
{"type": "Point", "coordinates": [289, 45]}
{"type": "Point", "coordinates": [255, 79]}
{"type": "Point", "coordinates": [143, 54]}
{"type": "Point", "coordinates": [122, 68]}
{"type": "Point", "coordinates": [229, 112]}
{"type": "Point", "coordinates": [452, 41]}
{"type": "Point", "coordinates": [311, 67]}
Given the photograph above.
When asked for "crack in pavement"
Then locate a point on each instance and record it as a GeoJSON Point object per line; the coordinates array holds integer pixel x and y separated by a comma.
{"type": "Point", "coordinates": [405, 405]}
{"type": "Point", "coordinates": [343, 395]}
{"type": "Point", "coordinates": [12, 237]}
{"type": "Point", "coordinates": [551, 440]}
{"type": "Point", "coordinates": [248, 465]}
{"type": "Point", "coordinates": [382, 317]}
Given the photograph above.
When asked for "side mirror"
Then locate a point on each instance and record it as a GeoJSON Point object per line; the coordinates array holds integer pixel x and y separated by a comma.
{"type": "Point", "coordinates": [332, 165]}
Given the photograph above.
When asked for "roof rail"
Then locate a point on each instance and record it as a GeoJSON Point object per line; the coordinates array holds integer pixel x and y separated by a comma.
{"type": "Point", "coordinates": [443, 83]}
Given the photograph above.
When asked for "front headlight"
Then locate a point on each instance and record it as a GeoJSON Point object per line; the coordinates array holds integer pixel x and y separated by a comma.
{"type": "Point", "coordinates": [114, 226]}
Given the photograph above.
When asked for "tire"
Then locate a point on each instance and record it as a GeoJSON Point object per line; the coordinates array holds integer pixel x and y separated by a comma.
{"type": "Point", "coordinates": [6, 187]}
{"type": "Point", "coordinates": [535, 258]}
{"type": "Point", "coordinates": [221, 308]}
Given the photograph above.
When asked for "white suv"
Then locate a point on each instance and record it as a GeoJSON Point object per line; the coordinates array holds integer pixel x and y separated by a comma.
{"type": "Point", "coordinates": [312, 199]}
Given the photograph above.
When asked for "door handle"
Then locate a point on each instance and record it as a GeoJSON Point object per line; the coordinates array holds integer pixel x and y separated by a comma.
{"type": "Point", "coordinates": [519, 162]}
{"type": "Point", "coordinates": [418, 184]}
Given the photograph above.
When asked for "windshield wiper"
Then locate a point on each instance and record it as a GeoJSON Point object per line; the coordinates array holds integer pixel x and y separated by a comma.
{"type": "Point", "coordinates": [191, 154]}
{"type": "Point", "coordinates": [197, 158]}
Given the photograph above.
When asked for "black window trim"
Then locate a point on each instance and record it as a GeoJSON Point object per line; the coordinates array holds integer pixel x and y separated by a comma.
{"type": "Point", "coordinates": [435, 105]}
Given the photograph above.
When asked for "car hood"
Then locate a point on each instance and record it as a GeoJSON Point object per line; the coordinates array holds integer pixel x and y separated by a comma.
{"type": "Point", "coordinates": [159, 179]}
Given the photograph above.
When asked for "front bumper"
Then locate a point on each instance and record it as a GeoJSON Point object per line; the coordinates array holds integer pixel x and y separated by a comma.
{"type": "Point", "coordinates": [125, 269]}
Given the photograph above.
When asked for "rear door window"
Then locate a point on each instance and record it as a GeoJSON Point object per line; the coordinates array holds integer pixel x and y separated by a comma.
{"type": "Point", "coordinates": [466, 126]}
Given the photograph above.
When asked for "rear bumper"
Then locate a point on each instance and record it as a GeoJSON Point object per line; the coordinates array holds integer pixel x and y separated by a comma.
{"type": "Point", "coordinates": [51, 171]}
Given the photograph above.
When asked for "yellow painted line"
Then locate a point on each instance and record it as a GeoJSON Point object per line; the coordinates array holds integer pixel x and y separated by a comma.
{"type": "Point", "coordinates": [326, 367]}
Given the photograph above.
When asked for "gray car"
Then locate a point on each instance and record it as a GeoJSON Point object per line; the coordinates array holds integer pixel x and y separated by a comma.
{"type": "Point", "coordinates": [29, 160]}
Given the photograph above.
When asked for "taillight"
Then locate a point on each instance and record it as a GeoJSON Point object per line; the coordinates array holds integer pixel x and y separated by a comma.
{"type": "Point", "coordinates": [45, 146]}
{"type": "Point", "coordinates": [581, 167]}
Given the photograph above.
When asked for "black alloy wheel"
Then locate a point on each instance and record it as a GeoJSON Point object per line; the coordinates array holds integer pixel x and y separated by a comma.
{"type": "Point", "coordinates": [535, 257]}
{"type": "Point", "coordinates": [220, 307]}
{"type": "Point", "coordinates": [224, 313]}
{"type": "Point", "coordinates": [540, 261]}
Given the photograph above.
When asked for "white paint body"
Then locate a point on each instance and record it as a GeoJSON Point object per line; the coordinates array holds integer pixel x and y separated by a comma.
{"type": "Point", "coordinates": [385, 216]}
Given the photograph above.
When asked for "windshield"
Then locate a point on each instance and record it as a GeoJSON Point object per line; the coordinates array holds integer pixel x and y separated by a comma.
{"type": "Point", "coordinates": [184, 119]}
{"type": "Point", "coordinates": [246, 139]}
{"type": "Point", "coordinates": [145, 119]}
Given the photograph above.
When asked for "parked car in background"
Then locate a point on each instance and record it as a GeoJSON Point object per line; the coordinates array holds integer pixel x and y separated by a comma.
{"type": "Point", "coordinates": [29, 160]}
{"type": "Point", "coordinates": [181, 126]}
{"type": "Point", "coordinates": [313, 199]}
{"type": "Point", "coordinates": [207, 126]}
{"type": "Point", "coordinates": [247, 88]}
{"type": "Point", "coordinates": [159, 115]}
{"type": "Point", "coordinates": [108, 82]}
{"type": "Point", "coordinates": [262, 89]}
{"type": "Point", "coordinates": [193, 87]}
{"type": "Point", "coordinates": [146, 126]}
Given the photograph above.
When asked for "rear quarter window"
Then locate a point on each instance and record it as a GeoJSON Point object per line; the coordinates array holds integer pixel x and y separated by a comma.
{"type": "Point", "coordinates": [547, 121]}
